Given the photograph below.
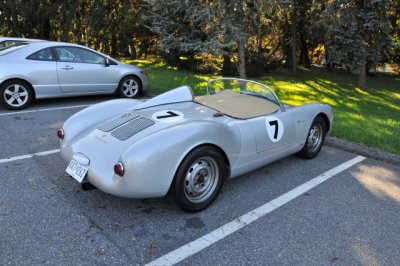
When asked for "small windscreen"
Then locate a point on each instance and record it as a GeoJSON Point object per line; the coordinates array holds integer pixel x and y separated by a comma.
{"type": "Point", "coordinates": [243, 87]}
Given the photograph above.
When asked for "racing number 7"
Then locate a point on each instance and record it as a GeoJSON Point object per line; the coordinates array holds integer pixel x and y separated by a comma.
{"type": "Point", "coordinates": [275, 123]}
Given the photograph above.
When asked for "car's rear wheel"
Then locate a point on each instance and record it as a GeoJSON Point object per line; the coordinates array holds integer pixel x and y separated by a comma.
{"type": "Point", "coordinates": [315, 139]}
{"type": "Point", "coordinates": [129, 87]}
{"type": "Point", "coordinates": [15, 94]}
{"type": "Point", "coordinates": [199, 179]}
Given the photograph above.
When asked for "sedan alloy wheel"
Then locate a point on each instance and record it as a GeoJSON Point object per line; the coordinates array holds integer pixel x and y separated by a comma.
{"type": "Point", "coordinates": [15, 95]}
{"type": "Point", "coordinates": [129, 87]}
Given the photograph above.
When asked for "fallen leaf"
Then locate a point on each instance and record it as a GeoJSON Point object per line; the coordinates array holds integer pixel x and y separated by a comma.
{"type": "Point", "coordinates": [100, 250]}
{"type": "Point", "coordinates": [334, 258]}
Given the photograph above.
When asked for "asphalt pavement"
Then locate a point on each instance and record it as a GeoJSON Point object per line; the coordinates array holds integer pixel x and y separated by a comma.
{"type": "Point", "coordinates": [350, 218]}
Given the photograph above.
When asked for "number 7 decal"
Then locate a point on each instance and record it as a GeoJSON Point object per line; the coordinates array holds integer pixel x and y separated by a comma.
{"type": "Point", "coordinates": [275, 123]}
{"type": "Point", "coordinates": [275, 128]}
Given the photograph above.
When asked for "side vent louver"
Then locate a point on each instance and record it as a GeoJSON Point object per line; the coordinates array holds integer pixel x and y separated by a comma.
{"type": "Point", "coordinates": [132, 127]}
{"type": "Point", "coordinates": [107, 127]}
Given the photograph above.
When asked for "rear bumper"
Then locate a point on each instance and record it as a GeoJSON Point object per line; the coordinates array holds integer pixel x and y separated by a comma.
{"type": "Point", "coordinates": [101, 175]}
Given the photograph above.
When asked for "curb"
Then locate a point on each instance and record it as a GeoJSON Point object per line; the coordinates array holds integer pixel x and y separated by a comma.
{"type": "Point", "coordinates": [363, 150]}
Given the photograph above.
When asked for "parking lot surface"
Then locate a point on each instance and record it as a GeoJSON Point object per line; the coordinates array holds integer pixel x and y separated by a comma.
{"type": "Point", "coordinates": [350, 218]}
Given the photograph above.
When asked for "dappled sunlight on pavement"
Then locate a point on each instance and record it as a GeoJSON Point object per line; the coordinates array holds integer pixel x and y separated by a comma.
{"type": "Point", "coordinates": [365, 253]}
{"type": "Point", "coordinates": [381, 182]}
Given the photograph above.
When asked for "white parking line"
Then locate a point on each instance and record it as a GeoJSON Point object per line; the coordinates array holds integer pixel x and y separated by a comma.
{"type": "Point", "coordinates": [46, 109]}
{"type": "Point", "coordinates": [203, 242]}
{"type": "Point", "coordinates": [27, 156]}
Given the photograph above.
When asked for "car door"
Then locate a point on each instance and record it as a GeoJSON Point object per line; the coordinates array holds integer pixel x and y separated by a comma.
{"type": "Point", "coordinates": [41, 69]}
{"type": "Point", "coordinates": [275, 132]}
{"type": "Point", "coordinates": [83, 71]}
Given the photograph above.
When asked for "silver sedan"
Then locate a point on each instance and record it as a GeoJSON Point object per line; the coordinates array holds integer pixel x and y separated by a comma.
{"type": "Point", "coordinates": [54, 69]}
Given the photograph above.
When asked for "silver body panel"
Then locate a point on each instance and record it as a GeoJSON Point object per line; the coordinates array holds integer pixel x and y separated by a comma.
{"type": "Point", "coordinates": [62, 79]}
{"type": "Point", "coordinates": [152, 155]}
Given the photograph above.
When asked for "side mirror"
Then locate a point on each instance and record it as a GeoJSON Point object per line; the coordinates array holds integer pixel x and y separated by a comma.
{"type": "Point", "coordinates": [107, 62]}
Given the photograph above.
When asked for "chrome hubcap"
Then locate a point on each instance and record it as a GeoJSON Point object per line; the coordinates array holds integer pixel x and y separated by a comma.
{"type": "Point", "coordinates": [201, 179]}
{"type": "Point", "coordinates": [16, 95]}
{"type": "Point", "coordinates": [130, 88]}
{"type": "Point", "coordinates": [314, 138]}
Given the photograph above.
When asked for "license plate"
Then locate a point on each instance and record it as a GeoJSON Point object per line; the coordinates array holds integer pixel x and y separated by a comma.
{"type": "Point", "coordinates": [77, 170]}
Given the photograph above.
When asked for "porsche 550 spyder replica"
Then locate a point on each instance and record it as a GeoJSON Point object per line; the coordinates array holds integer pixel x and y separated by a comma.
{"type": "Point", "coordinates": [184, 146]}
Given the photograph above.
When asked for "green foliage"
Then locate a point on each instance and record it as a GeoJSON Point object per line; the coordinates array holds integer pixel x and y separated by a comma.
{"type": "Point", "coordinates": [358, 33]}
{"type": "Point", "coordinates": [393, 56]}
{"type": "Point", "coordinates": [111, 26]}
{"type": "Point", "coordinates": [213, 35]}
{"type": "Point", "coordinates": [219, 28]}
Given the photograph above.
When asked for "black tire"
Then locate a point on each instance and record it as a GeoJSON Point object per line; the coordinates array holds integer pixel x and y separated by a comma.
{"type": "Point", "coordinates": [129, 87]}
{"type": "Point", "coordinates": [15, 94]}
{"type": "Point", "coordinates": [315, 139]}
{"type": "Point", "coordinates": [199, 179]}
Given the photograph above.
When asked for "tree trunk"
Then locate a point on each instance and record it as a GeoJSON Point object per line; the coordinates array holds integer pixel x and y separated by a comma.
{"type": "Point", "coordinates": [305, 59]}
{"type": "Point", "coordinates": [46, 29]}
{"type": "Point", "coordinates": [362, 77]}
{"type": "Point", "coordinates": [227, 67]}
{"type": "Point", "coordinates": [113, 46]}
{"type": "Point", "coordinates": [294, 33]}
{"type": "Point", "coordinates": [242, 63]}
{"type": "Point", "coordinates": [132, 50]}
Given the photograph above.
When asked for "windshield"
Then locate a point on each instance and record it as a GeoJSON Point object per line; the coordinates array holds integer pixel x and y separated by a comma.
{"type": "Point", "coordinates": [242, 86]}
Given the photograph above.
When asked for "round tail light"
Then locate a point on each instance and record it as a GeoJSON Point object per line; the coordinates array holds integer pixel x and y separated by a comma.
{"type": "Point", "coordinates": [60, 133]}
{"type": "Point", "coordinates": [119, 169]}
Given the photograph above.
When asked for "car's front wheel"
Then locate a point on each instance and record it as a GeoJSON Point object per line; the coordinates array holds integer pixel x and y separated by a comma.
{"type": "Point", "coordinates": [315, 139]}
{"type": "Point", "coordinates": [15, 94]}
{"type": "Point", "coordinates": [129, 87]}
{"type": "Point", "coordinates": [199, 179]}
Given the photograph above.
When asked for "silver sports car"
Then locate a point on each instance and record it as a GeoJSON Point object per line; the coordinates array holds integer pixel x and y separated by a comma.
{"type": "Point", "coordinates": [45, 69]}
{"type": "Point", "coordinates": [185, 147]}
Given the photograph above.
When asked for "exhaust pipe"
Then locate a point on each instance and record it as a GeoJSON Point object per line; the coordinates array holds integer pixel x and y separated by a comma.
{"type": "Point", "coordinates": [87, 186]}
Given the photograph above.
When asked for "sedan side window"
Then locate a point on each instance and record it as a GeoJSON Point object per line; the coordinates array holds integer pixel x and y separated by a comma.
{"type": "Point", "coordinates": [78, 55]}
{"type": "Point", "coordinates": [42, 55]}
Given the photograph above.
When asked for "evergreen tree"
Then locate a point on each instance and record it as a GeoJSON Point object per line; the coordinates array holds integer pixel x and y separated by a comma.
{"type": "Point", "coordinates": [357, 35]}
{"type": "Point", "coordinates": [220, 27]}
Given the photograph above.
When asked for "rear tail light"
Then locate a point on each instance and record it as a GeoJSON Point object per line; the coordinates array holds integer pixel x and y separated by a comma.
{"type": "Point", "coordinates": [60, 133]}
{"type": "Point", "coordinates": [119, 169]}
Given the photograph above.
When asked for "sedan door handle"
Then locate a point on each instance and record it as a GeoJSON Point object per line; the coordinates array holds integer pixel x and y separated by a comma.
{"type": "Point", "coordinates": [67, 67]}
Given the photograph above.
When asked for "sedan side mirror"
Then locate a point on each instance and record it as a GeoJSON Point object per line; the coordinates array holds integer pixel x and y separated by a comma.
{"type": "Point", "coordinates": [107, 62]}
